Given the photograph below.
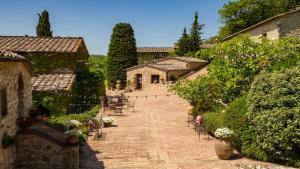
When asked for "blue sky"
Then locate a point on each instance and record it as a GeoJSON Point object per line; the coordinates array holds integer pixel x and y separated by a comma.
{"type": "Point", "coordinates": [155, 22]}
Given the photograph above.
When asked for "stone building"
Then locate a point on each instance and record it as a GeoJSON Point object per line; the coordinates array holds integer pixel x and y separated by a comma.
{"type": "Point", "coordinates": [285, 24]}
{"type": "Point", "coordinates": [147, 54]}
{"type": "Point", "coordinates": [48, 54]}
{"type": "Point", "coordinates": [162, 71]}
{"type": "Point", "coordinates": [15, 99]}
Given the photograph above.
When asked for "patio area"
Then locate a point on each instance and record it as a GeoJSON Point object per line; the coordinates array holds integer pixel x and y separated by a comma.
{"type": "Point", "coordinates": [156, 136]}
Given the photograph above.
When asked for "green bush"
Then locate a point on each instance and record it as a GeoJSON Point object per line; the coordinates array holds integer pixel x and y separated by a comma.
{"type": "Point", "coordinates": [212, 121]}
{"type": "Point", "coordinates": [274, 112]}
{"type": "Point", "coordinates": [56, 102]}
{"type": "Point", "coordinates": [235, 118]}
{"type": "Point", "coordinates": [82, 117]}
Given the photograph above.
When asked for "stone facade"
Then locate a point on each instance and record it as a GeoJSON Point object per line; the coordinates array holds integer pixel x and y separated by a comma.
{"type": "Point", "coordinates": [146, 73]}
{"type": "Point", "coordinates": [166, 69]}
{"type": "Point", "coordinates": [37, 152]}
{"type": "Point", "coordinates": [15, 79]}
{"type": "Point", "coordinates": [286, 24]}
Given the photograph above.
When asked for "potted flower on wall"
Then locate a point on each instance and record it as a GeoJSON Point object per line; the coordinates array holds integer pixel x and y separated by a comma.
{"type": "Point", "coordinates": [7, 141]}
{"type": "Point", "coordinates": [223, 147]}
{"type": "Point", "coordinates": [107, 121]}
{"type": "Point", "coordinates": [72, 136]}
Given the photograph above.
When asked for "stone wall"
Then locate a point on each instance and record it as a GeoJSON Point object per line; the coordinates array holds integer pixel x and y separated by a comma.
{"type": "Point", "coordinates": [146, 75]}
{"type": "Point", "coordinates": [36, 152]}
{"type": "Point", "coordinates": [9, 80]}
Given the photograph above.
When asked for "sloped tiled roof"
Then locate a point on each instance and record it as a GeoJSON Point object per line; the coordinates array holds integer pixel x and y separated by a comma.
{"type": "Point", "coordinates": [155, 49]}
{"type": "Point", "coordinates": [10, 55]}
{"type": "Point", "coordinates": [183, 59]}
{"type": "Point", "coordinates": [167, 67]}
{"type": "Point", "coordinates": [52, 82]}
{"type": "Point", "coordinates": [40, 44]}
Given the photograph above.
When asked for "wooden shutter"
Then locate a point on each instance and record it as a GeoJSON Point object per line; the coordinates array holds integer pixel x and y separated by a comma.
{"type": "Point", "coordinates": [3, 100]}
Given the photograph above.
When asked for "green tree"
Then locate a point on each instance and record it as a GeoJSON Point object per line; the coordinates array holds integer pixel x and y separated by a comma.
{"type": "Point", "coordinates": [195, 36]}
{"type": "Point", "coordinates": [44, 28]}
{"type": "Point", "coordinates": [238, 15]}
{"type": "Point", "coordinates": [183, 44]}
{"type": "Point", "coordinates": [122, 53]}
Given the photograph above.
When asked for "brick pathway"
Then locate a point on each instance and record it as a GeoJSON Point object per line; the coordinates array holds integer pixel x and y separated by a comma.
{"type": "Point", "coordinates": [156, 136]}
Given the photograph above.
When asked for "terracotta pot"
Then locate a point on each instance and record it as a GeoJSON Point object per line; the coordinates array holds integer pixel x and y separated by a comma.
{"type": "Point", "coordinates": [72, 139]}
{"type": "Point", "coordinates": [223, 149]}
{"type": "Point", "coordinates": [107, 124]}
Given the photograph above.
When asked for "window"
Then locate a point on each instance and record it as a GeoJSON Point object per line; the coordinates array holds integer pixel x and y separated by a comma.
{"type": "Point", "coordinates": [3, 102]}
{"type": "Point", "coordinates": [154, 78]}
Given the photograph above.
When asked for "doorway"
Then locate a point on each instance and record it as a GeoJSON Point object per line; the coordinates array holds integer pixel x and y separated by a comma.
{"type": "Point", "coordinates": [139, 81]}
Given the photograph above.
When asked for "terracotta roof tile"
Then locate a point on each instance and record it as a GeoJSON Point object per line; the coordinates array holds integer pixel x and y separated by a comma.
{"type": "Point", "coordinates": [155, 49]}
{"type": "Point", "coordinates": [40, 44]}
{"type": "Point", "coordinates": [52, 82]}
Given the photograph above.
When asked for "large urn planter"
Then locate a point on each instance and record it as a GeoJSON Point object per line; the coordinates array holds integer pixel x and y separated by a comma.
{"type": "Point", "coordinates": [190, 109]}
{"type": "Point", "coordinates": [72, 139]}
{"type": "Point", "coordinates": [224, 149]}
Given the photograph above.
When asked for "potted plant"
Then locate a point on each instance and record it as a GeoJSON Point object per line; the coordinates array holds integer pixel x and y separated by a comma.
{"type": "Point", "coordinates": [107, 121]}
{"type": "Point", "coordinates": [74, 124]}
{"type": "Point", "coordinates": [223, 147]}
{"type": "Point", "coordinates": [72, 136]}
{"type": "Point", "coordinates": [7, 141]}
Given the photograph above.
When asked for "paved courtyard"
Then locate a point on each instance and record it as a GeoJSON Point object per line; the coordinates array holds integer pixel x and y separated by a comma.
{"type": "Point", "coordinates": [156, 136]}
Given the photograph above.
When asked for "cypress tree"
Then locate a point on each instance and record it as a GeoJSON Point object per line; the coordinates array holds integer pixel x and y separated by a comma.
{"type": "Point", "coordinates": [182, 46]}
{"type": "Point", "coordinates": [44, 28]}
{"type": "Point", "coordinates": [122, 53]}
{"type": "Point", "coordinates": [195, 36]}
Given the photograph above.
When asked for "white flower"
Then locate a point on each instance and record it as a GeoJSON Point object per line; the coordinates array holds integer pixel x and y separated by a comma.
{"type": "Point", "coordinates": [75, 123]}
{"type": "Point", "coordinates": [72, 133]}
{"type": "Point", "coordinates": [223, 132]}
{"type": "Point", "coordinates": [107, 120]}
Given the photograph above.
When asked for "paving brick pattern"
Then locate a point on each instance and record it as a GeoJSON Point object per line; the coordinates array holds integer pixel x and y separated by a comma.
{"type": "Point", "coordinates": [156, 136]}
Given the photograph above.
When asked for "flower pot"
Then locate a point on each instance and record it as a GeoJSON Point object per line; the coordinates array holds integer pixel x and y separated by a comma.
{"type": "Point", "coordinates": [72, 139]}
{"type": "Point", "coordinates": [223, 149]}
{"type": "Point", "coordinates": [108, 124]}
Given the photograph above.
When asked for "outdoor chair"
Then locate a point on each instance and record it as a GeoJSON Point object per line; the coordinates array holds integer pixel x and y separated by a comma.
{"type": "Point", "coordinates": [199, 126]}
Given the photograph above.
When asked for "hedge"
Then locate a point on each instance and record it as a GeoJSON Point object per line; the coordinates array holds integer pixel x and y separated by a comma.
{"type": "Point", "coordinates": [274, 113]}
{"type": "Point", "coordinates": [212, 121]}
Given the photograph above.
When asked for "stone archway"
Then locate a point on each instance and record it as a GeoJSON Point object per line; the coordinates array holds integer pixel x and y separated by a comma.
{"type": "Point", "coordinates": [21, 112]}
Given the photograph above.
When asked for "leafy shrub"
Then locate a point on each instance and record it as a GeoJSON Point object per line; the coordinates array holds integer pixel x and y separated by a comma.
{"type": "Point", "coordinates": [212, 121]}
{"type": "Point", "coordinates": [82, 117]}
{"type": "Point", "coordinates": [201, 92]}
{"type": "Point", "coordinates": [56, 102]}
{"type": "Point", "coordinates": [235, 118]}
{"type": "Point", "coordinates": [274, 112]}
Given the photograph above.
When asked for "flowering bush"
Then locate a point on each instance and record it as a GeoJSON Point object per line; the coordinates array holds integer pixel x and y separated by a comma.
{"type": "Point", "coordinates": [69, 133]}
{"type": "Point", "coordinates": [223, 132]}
{"type": "Point", "coordinates": [74, 123]}
{"type": "Point", "coordinates": [108, 120]}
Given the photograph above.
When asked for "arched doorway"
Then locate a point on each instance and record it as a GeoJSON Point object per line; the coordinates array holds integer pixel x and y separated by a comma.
{"type": "Point", "coordinates": [21, 110]}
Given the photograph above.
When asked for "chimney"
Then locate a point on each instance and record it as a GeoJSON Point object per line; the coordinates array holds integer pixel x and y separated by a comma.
{"type": "Point", "coordinates": [26, 36]}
